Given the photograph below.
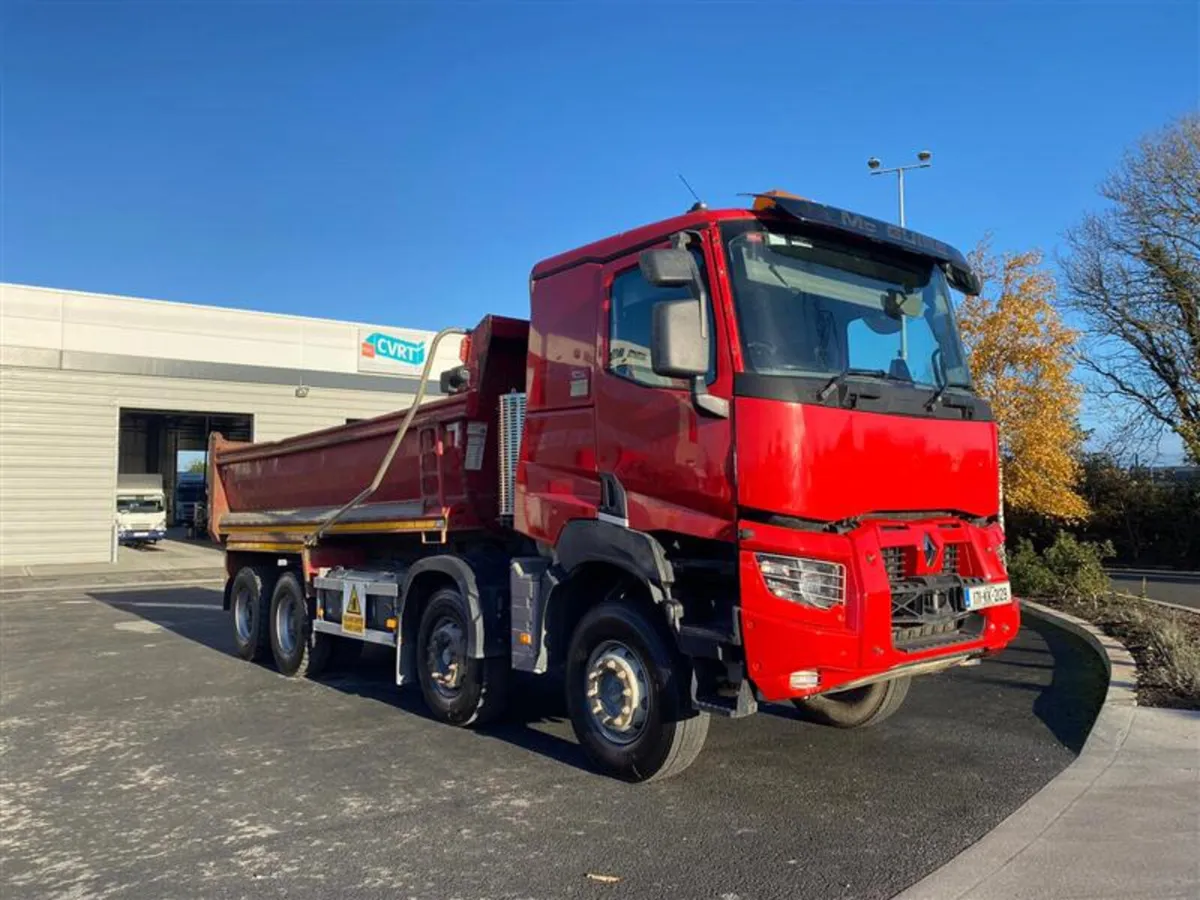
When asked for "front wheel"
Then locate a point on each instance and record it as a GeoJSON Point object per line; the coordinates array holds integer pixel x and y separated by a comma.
{"type": "Point", "coordinates": [857, 707]}
{"type": "Point", "coordinates": [626, 697]}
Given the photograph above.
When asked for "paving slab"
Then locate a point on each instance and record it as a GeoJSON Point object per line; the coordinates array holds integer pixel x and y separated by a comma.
{"type": "Point", "coordinates": [1122, 821]}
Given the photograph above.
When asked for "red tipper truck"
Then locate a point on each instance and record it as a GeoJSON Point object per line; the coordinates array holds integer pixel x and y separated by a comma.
{"type": "Point", "coordinates": [733, 457]}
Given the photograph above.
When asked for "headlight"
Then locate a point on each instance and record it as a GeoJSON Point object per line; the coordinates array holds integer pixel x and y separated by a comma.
{"type": "Point", "coordinates": [807, 581]}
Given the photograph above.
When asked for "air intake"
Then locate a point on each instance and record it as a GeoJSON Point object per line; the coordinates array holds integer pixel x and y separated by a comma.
{"type": "Point", "coordinates": [512, 426]}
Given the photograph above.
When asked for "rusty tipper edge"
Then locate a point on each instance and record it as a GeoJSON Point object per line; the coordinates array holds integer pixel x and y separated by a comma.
{"type": "Point", "coordinates": [733, 457]}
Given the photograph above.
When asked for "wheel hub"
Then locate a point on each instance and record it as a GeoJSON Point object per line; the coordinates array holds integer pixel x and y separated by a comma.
{"type": "Point", "coordinates": [618, 694]}
{"type": "Point", "coordinates": [446, 656]}
{"type": "Point", "coordinates": [287, 626]}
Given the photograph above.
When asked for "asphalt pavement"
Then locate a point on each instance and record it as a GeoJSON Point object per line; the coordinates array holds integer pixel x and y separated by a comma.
{"type": "Point", "coordinates": [1182, 588]}
{"type": "Point", "coordinates": [142, 759]}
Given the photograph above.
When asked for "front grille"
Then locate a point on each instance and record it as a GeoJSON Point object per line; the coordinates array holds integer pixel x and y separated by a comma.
{"type": "Point", "coordinates": [929, 609]}
{"type": "Point", "coordinates": [896, 562]}
{"type": "Point", "coordinates": [924, 637]}
{"type": "Point", "coordinates": [893, 561]}
{"type": "Point", "coordinates": [920, 601]}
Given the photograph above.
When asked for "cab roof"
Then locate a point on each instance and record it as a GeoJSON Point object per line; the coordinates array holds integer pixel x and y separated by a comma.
{"type": "Point", "coordinates": [770, 205]}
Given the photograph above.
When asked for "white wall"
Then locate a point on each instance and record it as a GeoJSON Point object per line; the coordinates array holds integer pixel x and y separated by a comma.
{"type": "Point", "coordinates": [58, 446]}
{"type": "Point", "coordinates": [100, 323]}
{"type": "Point", "coordinates": [59, 423]}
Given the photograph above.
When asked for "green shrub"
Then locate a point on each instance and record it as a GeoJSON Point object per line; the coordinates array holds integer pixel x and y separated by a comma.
{"type": "Point", "coordinates": [1068, 568]}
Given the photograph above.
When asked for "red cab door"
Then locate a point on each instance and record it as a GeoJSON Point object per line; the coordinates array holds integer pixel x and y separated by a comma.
{"type": "Point", "coordinates": [666, 462]}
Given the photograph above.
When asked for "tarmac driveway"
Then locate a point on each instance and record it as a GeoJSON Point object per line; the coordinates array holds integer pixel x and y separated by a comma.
{"type": "Point", "coordinates": [141, 759]}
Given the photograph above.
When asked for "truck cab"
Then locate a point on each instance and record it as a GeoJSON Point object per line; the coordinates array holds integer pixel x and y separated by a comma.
{"type": "Point", "coordinates": [778, 399]}
{"type": "Point", "coordinates": [141, 509]}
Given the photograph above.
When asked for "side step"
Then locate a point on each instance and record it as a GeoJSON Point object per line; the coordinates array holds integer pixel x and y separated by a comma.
{"type": "Point", "coordinates": [706, 642]}
{"type": "Point", "coordinates": [727, 705]}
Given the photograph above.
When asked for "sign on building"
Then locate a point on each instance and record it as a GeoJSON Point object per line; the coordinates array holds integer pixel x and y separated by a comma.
{"type": "Point", "coordinates": [393, 352]}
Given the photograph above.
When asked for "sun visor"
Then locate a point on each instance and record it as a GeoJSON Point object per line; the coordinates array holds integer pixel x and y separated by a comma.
{"type": "Point", "coordinates": [820, 215]}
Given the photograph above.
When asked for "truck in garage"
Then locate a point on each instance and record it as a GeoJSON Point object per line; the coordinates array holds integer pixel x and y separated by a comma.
{"type": "Point", "coordinates": [733, 457]}
{"type": "Point", "coordinates": [141, 510]}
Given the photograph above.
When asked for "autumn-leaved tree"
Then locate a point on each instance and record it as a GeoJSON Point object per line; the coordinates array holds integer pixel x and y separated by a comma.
{"type": "Point", "coordinates": [1021, 360]}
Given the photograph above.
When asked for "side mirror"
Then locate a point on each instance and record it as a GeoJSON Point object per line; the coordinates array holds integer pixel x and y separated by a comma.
{"type": "Point", "coordinates": [678, 339]}
{"type": "Point", "coordinates": [667, 268]}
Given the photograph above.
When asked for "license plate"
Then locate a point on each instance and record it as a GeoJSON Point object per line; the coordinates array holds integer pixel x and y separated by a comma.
{"type": "Point", "coordinates": [354, 608]}
{"type": "Point", "coordinates": [981, 596]}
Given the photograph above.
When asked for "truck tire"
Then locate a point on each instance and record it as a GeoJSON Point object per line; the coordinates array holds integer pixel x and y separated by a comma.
{"type": "Point", "coordinates": [857, 707]}
{"type": "Point", "coordinates": [458, 690]}
{"type": "Point", "coordinates": [250, 603]}
{"type": "Point", "coordinates": [627, 698]}
{"type": "Point", "coordinates": [298, 651]}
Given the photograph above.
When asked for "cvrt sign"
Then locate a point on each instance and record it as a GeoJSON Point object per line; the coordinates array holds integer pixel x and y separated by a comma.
{"type": "Point", "coordinates": [395, 351]}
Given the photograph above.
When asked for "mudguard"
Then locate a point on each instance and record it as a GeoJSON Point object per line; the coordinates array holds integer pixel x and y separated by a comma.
{"type": "Point", "coordinates": [593, 540]}
{"type": "Point", "coordinates": [482, 589]}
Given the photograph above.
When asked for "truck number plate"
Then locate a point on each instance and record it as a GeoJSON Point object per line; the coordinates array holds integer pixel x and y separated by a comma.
{"type": "Point", "coordinates": [354, 608]}
{"type": "Point", "coordinates": [981, 596]}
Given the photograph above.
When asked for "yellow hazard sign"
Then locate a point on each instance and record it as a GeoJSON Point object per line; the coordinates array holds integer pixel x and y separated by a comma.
{"type": "Point", "coordinates": [353, 619]}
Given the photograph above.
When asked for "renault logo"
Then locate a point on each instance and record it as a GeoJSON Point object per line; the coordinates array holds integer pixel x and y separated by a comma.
{"type": "Point", "coordinates": [931, 551]}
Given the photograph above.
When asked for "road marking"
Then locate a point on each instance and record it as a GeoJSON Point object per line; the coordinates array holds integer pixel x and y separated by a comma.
{"type": "Point", "coordinates": [129, 586]}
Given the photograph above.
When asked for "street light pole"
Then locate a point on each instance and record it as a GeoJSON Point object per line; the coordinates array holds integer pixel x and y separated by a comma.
{"type": "Point", "coordinates": [924, 161]}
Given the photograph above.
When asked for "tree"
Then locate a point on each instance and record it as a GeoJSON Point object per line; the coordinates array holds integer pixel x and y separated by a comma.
{"type": "Point", "coordinates": [197, 467]}
{"type": "Point", "coordinates": [1133, 275]}
{"type": "Point", "coordinates": [1021, 354]}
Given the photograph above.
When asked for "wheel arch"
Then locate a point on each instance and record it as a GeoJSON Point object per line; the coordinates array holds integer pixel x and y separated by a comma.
{"type": "Point", "coordinates": [592, 557]}
{"type": "Point", "coordinates": [637, 553]}
{"type": "Point", "coordinates": [483, 591]}
{"type": "Point", "coordinates": [589, 584]}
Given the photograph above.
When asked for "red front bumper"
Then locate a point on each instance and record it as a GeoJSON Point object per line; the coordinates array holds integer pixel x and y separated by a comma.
{"type": "Point", "coordinates": [855, 640]}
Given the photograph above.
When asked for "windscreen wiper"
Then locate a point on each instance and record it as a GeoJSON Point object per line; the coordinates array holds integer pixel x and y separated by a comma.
{"type": "Point", "coordinates": [941, 392]}
{"type": "Point", "coordinates": [837, 380]}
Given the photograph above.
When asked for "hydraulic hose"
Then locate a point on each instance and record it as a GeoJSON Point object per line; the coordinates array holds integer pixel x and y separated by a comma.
{"type": "Point", "coordinates": [386, 462]}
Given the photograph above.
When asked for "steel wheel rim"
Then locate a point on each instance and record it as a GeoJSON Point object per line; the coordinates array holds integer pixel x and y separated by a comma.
{"type": "Point", "coordinates": [617, 692]}
{"type": "Point", "coordinates": [446, 656]}
{"type": "Point", "coordinates": [243, 614]}
{"type": "Point", "coordinates": [287, 626]}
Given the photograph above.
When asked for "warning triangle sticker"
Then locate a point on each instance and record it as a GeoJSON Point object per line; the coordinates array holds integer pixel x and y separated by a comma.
{"type": "Point", "coordinates": [353, 608]}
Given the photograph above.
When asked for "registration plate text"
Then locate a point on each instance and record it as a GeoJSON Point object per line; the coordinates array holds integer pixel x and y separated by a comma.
{"type": "Point", "coordinates": [981, 596]}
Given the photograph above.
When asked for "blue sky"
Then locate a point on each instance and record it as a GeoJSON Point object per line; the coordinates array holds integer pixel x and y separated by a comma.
{"type": "Point", "coordinates": [407, 163]}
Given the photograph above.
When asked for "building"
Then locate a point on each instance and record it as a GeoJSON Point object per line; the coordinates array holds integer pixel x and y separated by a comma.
{"type": "Point", "coordinates": [94, 385]}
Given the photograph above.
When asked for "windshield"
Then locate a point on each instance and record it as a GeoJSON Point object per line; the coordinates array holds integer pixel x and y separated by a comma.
{"type": "Point", "coordinates": [810, 306]}
{"type": "Point", "coordinates": [139, 504]}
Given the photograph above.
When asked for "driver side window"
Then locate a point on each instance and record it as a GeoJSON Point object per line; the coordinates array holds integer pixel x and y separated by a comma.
{"type": "Point", "coordinates": [632, 300]}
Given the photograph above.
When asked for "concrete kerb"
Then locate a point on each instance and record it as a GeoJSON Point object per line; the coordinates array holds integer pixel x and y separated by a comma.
{"type": "Point", "coordinates": [991, 853]}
